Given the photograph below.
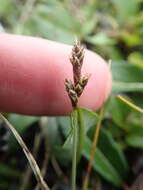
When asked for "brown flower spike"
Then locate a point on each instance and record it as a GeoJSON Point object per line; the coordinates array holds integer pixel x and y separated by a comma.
{"type": "Point", "coordinates": [75, 89]}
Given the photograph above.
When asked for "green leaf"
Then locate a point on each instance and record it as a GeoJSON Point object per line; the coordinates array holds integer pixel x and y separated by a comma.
{"type": "Point", "coordinates": [124, 72]}
{"type": "Point", "coordinates": [136, 59]}
{"type": "Point", "coordinates": [119, 111]}
{"type": "Point", "coordinates": [5, 5]}
{"type": "Point", "coordinates": [54, 140]}
{"type": "Point", "coordinates": [137, 130]}
{"type": "Point", "coordinates": [135, 140]}
{"type": "Point", "coordinates": [135, 136]}
{"type": "Point", "coordinates": [88, 27]}
{"type": "Point", "coordinates": [51, 132]}
{"type": "Point", "coordinates": [56, 14]}
{"type": "Point", "coordinates": [69, 141]}
{"type": "Point", "coordinates": [113, 152]}
{"type": "Point", "coordinates": [102, 165]}
{"type": "Point", "coordinates": [21, 122]}
{"type": "Point", "coordinates": [131, 39]}
{"type": "Point", "coordinates": [65, 125]}
{"type": "Point", "coordinates": [126, 78]}
{"type": "Point", "coordinates": [126, 9]}
{"type": "Point", "coordinates": [63, 155]}
{"type": "Point", "coordinates": [90, 118]}
{"type": "Point", "coordinates": [100, 39]}
{"type": "Point", "coordinates": [127, 87]}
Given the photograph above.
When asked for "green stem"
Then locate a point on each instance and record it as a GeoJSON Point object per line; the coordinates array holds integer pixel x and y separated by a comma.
{"type": "Point", "coordinates": [74, 158]}
{"type": "Point", "coordinates": [81, 133]}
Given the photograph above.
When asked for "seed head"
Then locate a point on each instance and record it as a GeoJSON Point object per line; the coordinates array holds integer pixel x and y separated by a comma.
{"type": "Point", "coordinates": [75, 89]}
{"type": "Point", "coordinates": [71, 92]}
{"type": "Point", "coordinates": [76, 60]}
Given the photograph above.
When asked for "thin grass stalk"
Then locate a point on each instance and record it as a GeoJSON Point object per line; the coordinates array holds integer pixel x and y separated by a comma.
{"type": "Point", "coordinates": [81, 134]}
{"type": "Point", "coordinates": [93, 150]}
{"type": "Point", "coordinates": [74, 158]}
{"type": "Point", "coordinates": [27, 153]}
{"type": "Point", "coordinates": [43, 169]}
{"type": "Point", "coordinates": [126, 101]}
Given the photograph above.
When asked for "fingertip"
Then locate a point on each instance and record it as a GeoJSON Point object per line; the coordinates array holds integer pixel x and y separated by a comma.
{"type": "Point", "coordinates": [99, 86]}
{"type": "Point", "coordinates": [32, 77]}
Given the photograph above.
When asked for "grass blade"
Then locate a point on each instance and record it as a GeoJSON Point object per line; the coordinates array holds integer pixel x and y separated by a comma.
{"type": "Point", "coordinates": [129, 103]}
{"type": "Point", "coordinates": [27, 153]}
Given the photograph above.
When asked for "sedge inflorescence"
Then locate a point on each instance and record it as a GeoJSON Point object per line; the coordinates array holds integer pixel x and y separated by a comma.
{"type": "Point", "coordinates": [75, 89]}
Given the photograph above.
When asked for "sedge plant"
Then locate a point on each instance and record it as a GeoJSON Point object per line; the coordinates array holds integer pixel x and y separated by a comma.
{"type": "Point", "coordinates": [74, 90]}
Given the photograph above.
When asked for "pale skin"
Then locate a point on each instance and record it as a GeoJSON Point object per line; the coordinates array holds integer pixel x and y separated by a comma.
{"type": "Point", "coordinates": [32, 74]}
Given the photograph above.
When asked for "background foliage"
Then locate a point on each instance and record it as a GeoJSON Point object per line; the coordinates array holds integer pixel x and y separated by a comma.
{"type": "Point", "coordinates": [114, 29]}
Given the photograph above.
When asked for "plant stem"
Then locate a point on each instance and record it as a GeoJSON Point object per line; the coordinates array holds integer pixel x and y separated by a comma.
{"type": "Point", "coordinates": [74, 158]}
{"type": "Point", "coordinates": [94, 145]}
{"type": "Point", "coordinates": [126, 101]}
{"type": "Point", "coordinates": [81, 133]}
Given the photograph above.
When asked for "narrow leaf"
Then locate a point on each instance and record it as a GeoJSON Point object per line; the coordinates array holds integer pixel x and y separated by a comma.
{"type": "Point", "coordinates": [102, 165]}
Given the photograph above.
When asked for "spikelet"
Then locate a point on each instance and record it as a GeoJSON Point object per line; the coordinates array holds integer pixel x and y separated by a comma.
{"type": "Point", "coordinates": [75, 89]}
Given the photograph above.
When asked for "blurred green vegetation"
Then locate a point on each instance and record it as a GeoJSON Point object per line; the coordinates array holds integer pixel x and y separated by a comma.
{"type": "Point", "coordinates": [114, 29]}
